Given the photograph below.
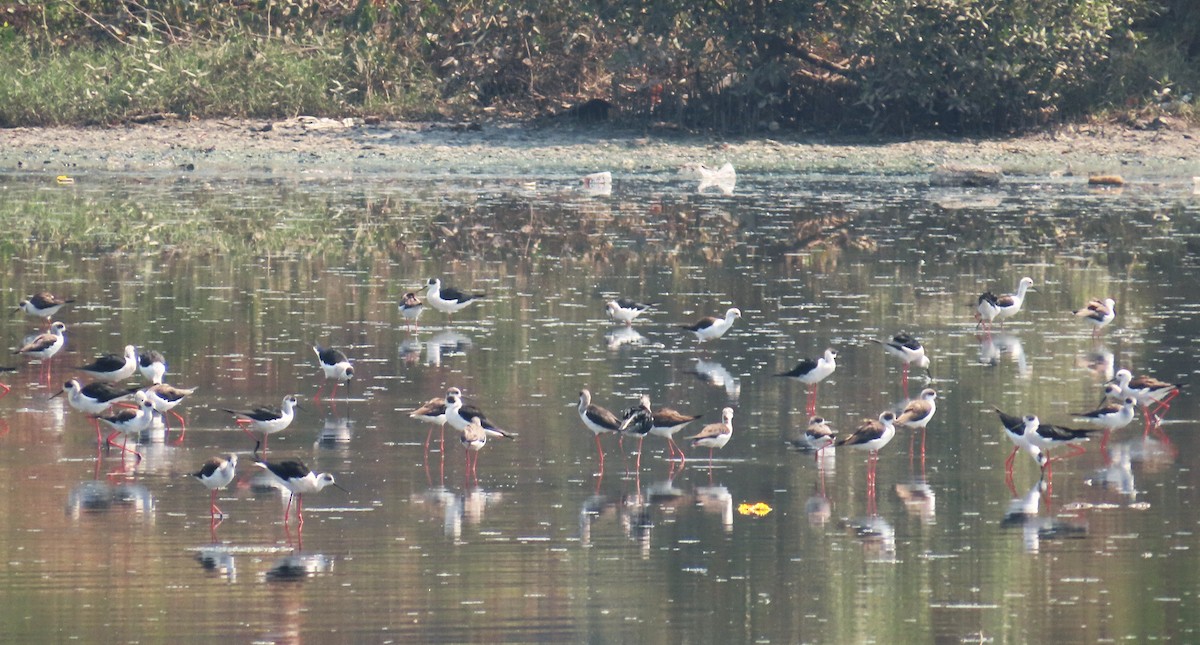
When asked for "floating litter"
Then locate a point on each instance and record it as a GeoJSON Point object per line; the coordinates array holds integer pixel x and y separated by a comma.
{"type": "Point", "coordinates": [757, 509]}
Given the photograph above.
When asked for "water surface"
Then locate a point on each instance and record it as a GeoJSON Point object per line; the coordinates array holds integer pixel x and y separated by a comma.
{"type": "Point", "coordinates": [235, 279]}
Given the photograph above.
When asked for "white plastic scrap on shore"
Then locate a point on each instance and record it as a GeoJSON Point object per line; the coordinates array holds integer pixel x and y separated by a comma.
{"type": "Point", "coordinates": [315, 123]}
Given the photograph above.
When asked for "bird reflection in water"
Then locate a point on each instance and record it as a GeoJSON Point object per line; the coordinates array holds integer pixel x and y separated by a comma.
{"type": "Point", "coordinates": [334, 433]}
{"type": "Point", "coordinates": [665, 498]}
{"type": "Point", "coordinates": [1117, 474]}
{"type": "Point", "coordinates": [445, 344]}
{"type": "Point", "coordinates": [817, 508]}
{"type": "Point", "coordinates": [715, 374]}
{"type": "Point", "coordinates": [637, 522]}
{"type": "Point", "coordinates": [219, 561]}
{"type": "Point", "coordinates": [594, 508]}
{"type": "Point", "coordinates": [1099, 361]}
{"type": "Point", "coordinates": [94, 496]}
{"type": "Point", "coordinates": [621, 336]}
{"type": "Point", "coordinates": [718, 501]}
{"type": "Point", "coordinates": [992, 349]}
{"type": "Point", "coordinates": [664, 495]}
{"type": "Point", "coordinates": [442, 503]}
{"type": "Point", "coordinates": [1024, 512]}
{"type": "Point", "coordinates": [410, 350]}
{"type": "Point", "coordinates": [476, 501]}
{"type": "Point", "coordinates": [919, 499]}
{"type": "Point", "coordinates": [723, 178]}
{"type": "Point", "coordinates": [298, 566]}
{"type": "Point", "coordinates": [877, 535]}
{"type": "Point", "coordinates": [455, 510]}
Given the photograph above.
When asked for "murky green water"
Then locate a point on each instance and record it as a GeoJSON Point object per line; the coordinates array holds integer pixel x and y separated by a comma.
{"type": "Point", "coordinates": [234, 281]}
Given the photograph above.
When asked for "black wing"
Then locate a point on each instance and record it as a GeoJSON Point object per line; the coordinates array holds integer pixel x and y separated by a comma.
{"type": "Point", "coordinates": [331, 356]}
{"type": "Point", "coordinates": [1016, 425]}
{"type": "Point", "coordinates": [803, 367]}
{"type": "Point", "coordinates": [106, 363]}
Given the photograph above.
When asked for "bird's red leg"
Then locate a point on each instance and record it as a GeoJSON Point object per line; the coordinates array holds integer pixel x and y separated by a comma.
{"type": "Point", "coordinates": [182, 427]}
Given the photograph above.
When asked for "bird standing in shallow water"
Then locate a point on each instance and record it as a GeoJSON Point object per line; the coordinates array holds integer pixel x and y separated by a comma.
{"type": "Point", "coordinates": [129, 422]}
{"type": "Point", "coordinates": [918, 413]}
{"type": "Point", "coordinates": [1098, 314]}
{"type": "Point", "coordinates": [992, 307]}
{"type": "Point", "coordinates": [638, 421]}
{"type": "Point", "coordinates": [94, 399]}
{"type": "Point", "coordinates": [215, 474]}
{"type": "Point", "coordinates": [1110, 416]}
{"type": "Point", "coordinates": [298, 479]}
{"type": "Point", "coordinates": [909, 350]}
{"type": "Point", "coordinates": [336, 367]}
{"type": "Point", "coordinates": [1113, 416]}
{"type": "Point", "coordinates": [712, 328]}
{"type": "Point", "coordinates": [1019, 430]}
{"type": "Point", "coordinates": [165, 398]}
{"type": "Point", "coordinates": [448, 300]}
{"type": "Point", "coordinates": [459, 414]}
{"type": "Point", "coordinates": [152, 365]}
{"type": "Point", "coordinates": [1048, 436]}
{"type": "Point", "coordinates": [811, 372]}
{"type": "Point", "coordinates": [473, 439]}
{"type": "Point", "coordinates": [818, 436]}
{"type": "Point", "coordinates": [113, 367]}
{"type": "Point", "coordinates": [434, 412]}
{"type": "Point", "coordinates": [871, 436]}
{"type": "Point", "coordinates": [597, 419]}
{"type": "Point", "coordinates": [714, 435]}
{"type": "Point", "coordinates": [625, 310]}
{"type": "Point", "coordinates": [1154, 395]}
{"type": "Point", "coordinates": [411, 308]}
{"type": "Point", "coordinates": [666, 422]}
{"type": "Point", "coordinates": [44, 346]}
{"type": "Point", "coordinates": [43, 304]}
{"type": "Point", "coordinates": [266, 420]}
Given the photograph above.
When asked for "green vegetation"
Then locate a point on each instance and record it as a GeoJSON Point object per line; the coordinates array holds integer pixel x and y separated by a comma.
{"type": "Point", "coordinates": [956, 66]}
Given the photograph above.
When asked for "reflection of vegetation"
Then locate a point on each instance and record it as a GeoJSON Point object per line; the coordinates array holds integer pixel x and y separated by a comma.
{"type": "Point", "coordinates": [487, 224]}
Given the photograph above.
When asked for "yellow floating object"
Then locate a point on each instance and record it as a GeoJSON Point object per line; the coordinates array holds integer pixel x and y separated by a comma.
{"type": "Point", "coordinates": [757, 509]}
{"type": "Point", "coordinates": [64, 179]}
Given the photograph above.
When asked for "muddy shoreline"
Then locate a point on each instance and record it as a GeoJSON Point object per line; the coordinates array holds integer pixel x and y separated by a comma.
{"type": "Point", "coordinates": [325, 147]}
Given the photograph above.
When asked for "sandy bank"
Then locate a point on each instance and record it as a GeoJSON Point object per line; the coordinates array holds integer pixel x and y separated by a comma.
{"type": "Point", "coordinates": [512, 150]}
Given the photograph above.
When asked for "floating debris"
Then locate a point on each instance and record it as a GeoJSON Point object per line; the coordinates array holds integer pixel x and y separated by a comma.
{"type": "Point", "coordinates": [757, 509]}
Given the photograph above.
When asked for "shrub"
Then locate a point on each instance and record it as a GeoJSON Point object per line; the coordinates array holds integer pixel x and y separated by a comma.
{"type": "Point", "coordinates": [970, 66]}
{"type": "Point", "coordinates": [888, 65]}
